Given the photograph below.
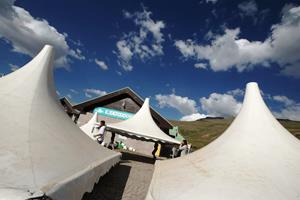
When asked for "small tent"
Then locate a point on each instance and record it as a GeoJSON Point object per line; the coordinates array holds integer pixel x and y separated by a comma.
{"type": "Point", "coordinates": [89, 127]}
{"type": "Point", "coordinates": [255, 158]}
{"type": "Point", "coordinates": [42, 152]}
{"type": "Point", "coordinates": [141, 126]}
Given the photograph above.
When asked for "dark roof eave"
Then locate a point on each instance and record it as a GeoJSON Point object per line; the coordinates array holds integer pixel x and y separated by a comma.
{"type": "Point", "coordinates": [127, 91]}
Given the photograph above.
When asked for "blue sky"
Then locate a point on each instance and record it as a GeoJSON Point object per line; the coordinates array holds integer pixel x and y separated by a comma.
{"type": "Point", "coordinates": [193, 58]}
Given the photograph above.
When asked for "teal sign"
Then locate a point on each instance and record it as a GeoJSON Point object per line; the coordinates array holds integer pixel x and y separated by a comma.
{"type": "Point", "coordinates": [175, 132]}
{"type": "Point", "coordinates": [112, 113]}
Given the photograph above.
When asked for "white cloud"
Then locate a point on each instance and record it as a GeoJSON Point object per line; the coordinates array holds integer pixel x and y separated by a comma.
{"type": "Point", "coordinates": [193, 117]}
{"type": "Point", "coordinates": [283, 99]}
{"type": "Point", "coordinates": [90, 92]}
{"type": "Point", "coordinates": [248, 8]}
{"type": "Point", "coordinates": [13, 67]}
{"type": "Point", "coordinates": [200, 65]}
{"type": "Point", "coordinates": [125, 55]}
{"type": "Point", "coordinates": [119, 73]}
{"type": "Point", "coordinates": [226, 51]}
{"type": "Point", "coordinates": [236, 92]}
{"type": "Point", "coordinates": [101, 64]}
{"type": "Point", "coordinates": [74, 91]}
{"type": "Point", "coordinates": [290, 110]}
{"type": "Point", "coordinates": [184, 105]}
{"type": "Point", "coordinates": [220, 105]}
{"type": "Point", "coordinates": [28, 35]}
{"type": "Point", "coordinates": [143, 44]}
{"type": "Point", "coordinates": [229, 51]}
{"type": "Point", "coordinates": [211, 1]}
{"type": "Point", "coordinates": [69, 96]}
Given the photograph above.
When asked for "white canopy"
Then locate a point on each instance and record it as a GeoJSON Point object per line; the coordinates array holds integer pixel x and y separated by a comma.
{"type": "Point", "coordinates": [88, 128]}
{"type": "Point", "coordinates": [141, 126]}
{"type": "Point", "coordinates": [42, 152]}
{"type": "Point", "coordinates": [255, 158]}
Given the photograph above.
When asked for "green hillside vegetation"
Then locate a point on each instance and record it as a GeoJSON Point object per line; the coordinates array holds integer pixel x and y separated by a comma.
{"type": "Point", "coordinates": [202, 132]}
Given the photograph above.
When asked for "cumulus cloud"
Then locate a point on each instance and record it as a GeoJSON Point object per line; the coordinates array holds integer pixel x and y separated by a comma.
{"type": "Point", "coordinates": [226, 104]}
{"type": "Point", "coordinates": [228, 51]}
{"type": "Point", "coordinates": [283, 99]}
{"type": "Point", "coordinates": [193, 117]}
{"type": "Point", "coordinates": [143, 44]}
{"type": "Point", "coordinates": [236, 92]}
{"type": "Point", "coordinates": [28, 34]}
{"type": "Point", "coordinates": [223, 105]}
{"type": "Point", "coordinates": [290, 109]}
{"type": "Point", "coordinates": [290, 112]}
{"type": "Point", "coordinates": [101, 64]}
{"type": "Point", "coordinates": [90, 92]}
{"type": "Point", "coordinates": [184, 105]}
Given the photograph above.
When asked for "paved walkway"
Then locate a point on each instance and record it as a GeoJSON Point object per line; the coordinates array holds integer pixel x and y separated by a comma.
{"type": "Point", "coordinates": [129, 180]}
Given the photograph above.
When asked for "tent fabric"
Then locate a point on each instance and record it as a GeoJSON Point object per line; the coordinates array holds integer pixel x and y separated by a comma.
{"type": "Point", "coordinates": [88, 127]}
{"type": "Point", "coordinates": [42, 152]}
{"type": "Point", "coordinates": [141, 126]}
{"type": "Point", "coordinates": [255, 158]}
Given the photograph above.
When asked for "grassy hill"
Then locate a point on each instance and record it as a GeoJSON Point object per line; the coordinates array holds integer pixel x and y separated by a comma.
{"type": "Point", "coordinates": [204, 131]}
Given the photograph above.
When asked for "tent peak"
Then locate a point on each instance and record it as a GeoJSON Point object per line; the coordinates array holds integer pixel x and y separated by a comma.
{"type": "Point", "coordinates": [142, 125]}
{"type": "Point", "coordinates": [257, 155]}
{"type": "Point", "coordinates": [40, 145]}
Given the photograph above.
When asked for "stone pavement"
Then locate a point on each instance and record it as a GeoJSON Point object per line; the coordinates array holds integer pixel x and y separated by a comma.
{"type": "Point", "coordinates": [129, 180]}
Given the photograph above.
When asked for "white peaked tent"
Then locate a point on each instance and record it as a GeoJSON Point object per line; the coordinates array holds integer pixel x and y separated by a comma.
{"type": "Point", "coordinates": [88, 127]}
{"type": "Point", "coordinates": [254, 159]}
{"type": "Point", "coordinates": [42, 152]}
{"type": "Point", "coordinates": [141, 126]}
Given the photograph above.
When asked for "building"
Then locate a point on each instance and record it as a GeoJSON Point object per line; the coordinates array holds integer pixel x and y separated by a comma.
{"type": "Point", "coordinates": [114, 107]}
{"type": "Point", "coordinates": [124, 100]}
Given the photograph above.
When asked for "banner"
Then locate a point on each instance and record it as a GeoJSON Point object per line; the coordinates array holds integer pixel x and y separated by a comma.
{"type": "Point", "coordinates": [112, 113]}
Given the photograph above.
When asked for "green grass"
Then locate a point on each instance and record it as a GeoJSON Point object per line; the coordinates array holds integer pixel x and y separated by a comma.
{"type": "Point", "coordinates": [200, 133]}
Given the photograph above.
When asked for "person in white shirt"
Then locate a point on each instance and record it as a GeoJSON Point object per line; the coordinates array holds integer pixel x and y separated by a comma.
{"type": "Point", "coordinates": [101, 133]}
{"type": "Point", "coordinates": [183, 148]}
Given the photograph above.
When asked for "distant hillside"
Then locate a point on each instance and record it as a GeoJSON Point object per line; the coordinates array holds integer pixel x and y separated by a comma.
{"type": "Point", "coordinates": [202, 132]}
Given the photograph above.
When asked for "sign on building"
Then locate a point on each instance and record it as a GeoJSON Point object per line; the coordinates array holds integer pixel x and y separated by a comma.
{"type": "Point", "coordinates": [112, 113]}
{"type": "Point", "coordinates": [175, 132]}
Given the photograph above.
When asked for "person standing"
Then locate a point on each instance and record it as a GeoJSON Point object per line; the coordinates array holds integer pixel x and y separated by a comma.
{"type": "Point", "coordinates": [101, 133]}
{"type": "Point", "coordinates": [183, 148]}
{"type": "Point", "coordinates": [154, 150]}
{"type": "Point", "coordinates": [111, 145]}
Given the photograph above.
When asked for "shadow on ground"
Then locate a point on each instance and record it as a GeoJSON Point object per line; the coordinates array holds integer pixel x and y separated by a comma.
{"type": "Point", "coordinates": [112, 185]}
{"type": "Point", "coordinates": [129, 179]}
{"type": "Point", "coordinates": [137, 158]}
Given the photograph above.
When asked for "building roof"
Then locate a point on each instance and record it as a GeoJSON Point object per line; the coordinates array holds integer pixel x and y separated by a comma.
{"type": "Point", "coordinates": [68, 106]}
{"type": "Point", "coordinates": [255, 158]}
{"type": "Point", "coordinates": [42, 152]}
{"type": "Point", "coordinates": [118, 95]}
